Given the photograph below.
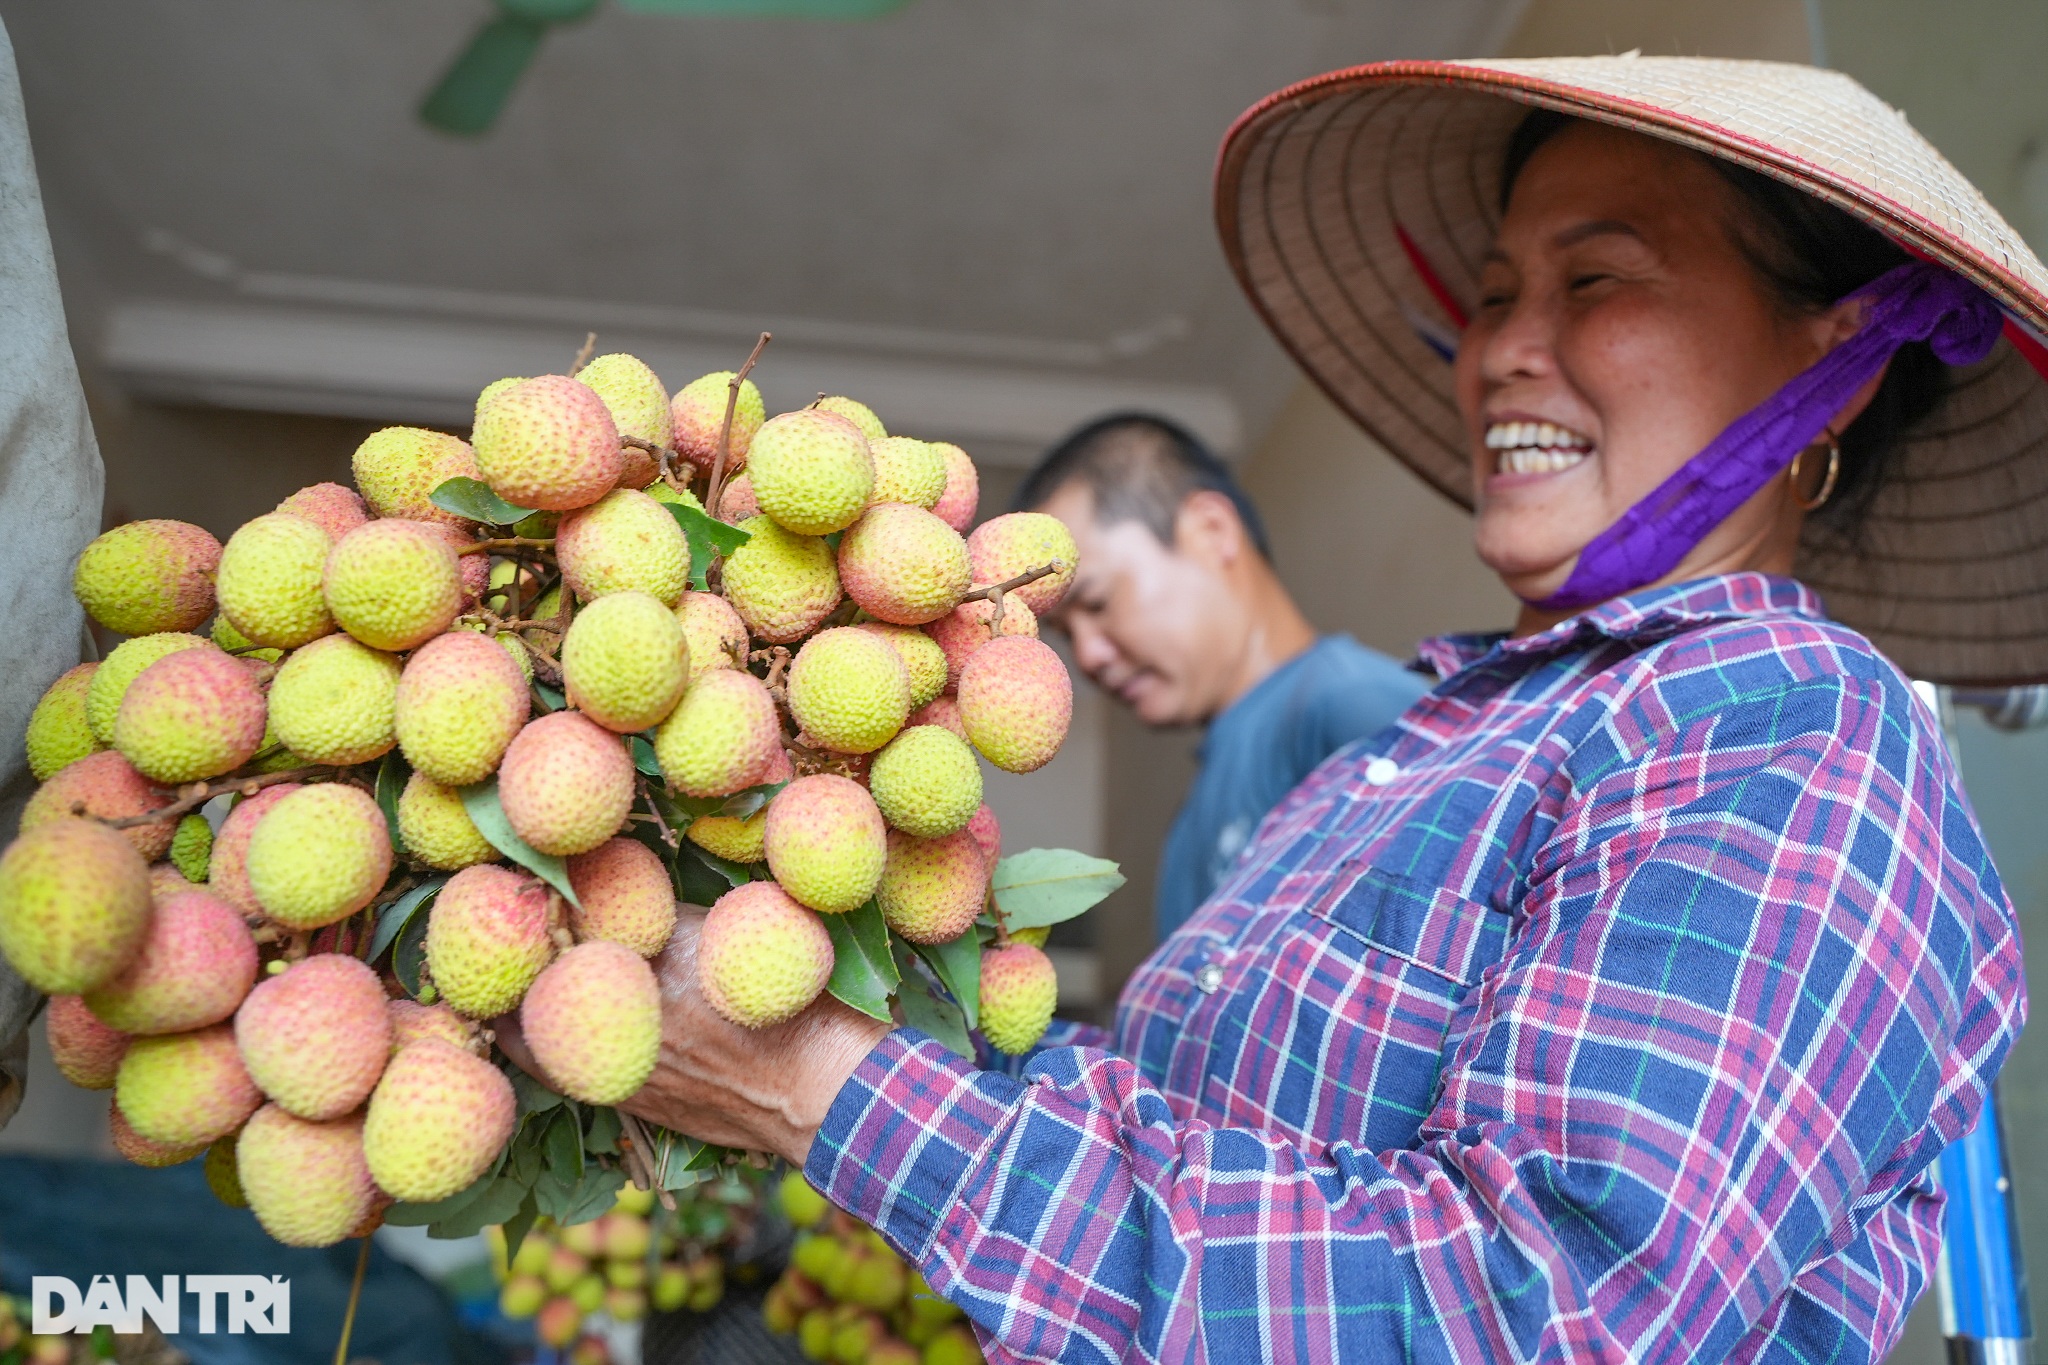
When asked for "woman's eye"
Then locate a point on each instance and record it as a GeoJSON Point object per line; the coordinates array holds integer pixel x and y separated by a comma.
{"type": "Point", "coordinates": [1496, 299]}
{"type": "Point", "coordinates": [1585, 281]}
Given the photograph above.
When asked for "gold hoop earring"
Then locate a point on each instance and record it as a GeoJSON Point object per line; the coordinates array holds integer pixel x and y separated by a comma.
{"type": "Point", "coordinates": [1827, 484]}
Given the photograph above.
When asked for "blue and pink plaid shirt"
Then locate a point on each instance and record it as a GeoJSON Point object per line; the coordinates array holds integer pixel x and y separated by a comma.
{"type": "Point", "coordinates": [1610, 1007]}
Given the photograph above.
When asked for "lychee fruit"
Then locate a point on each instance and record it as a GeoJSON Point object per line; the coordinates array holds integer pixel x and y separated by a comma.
{"type": "Point", "coordinates": [435, 826]}
{"type": "Point", "coordinates": [190, 715]}
{"type": "Point", "coordinates": [723, 737]}
{"type": "Point", "coordinates": [1018, 992]}
{"type": "Point", "coordinates": [269, 582]}
{"type": "Point", "coordinates": [335, 508]}
{"type": "Point", "coordinates": [319, 855]}
{"type": "Point", "coordinates": [668, 495]}
{"type": "Point", "coordinates": [221, 1176]}
{"type": "Point", "coordinates": [335, 702]}
{"type": "Point", "coordinates": [107, 786]}
{"type": "Point", "coordinates": [399, 468]}
{"type": "Point", "coordinates": [811, 474]}
{"type": "Point", "coordinates": [486, 395]}
{"type": "Point", "coordinates": [762, 957]}
{"type": "Point", "coordinates": [437, 1121]}
{"type": "Point", "coordinates": [849, 690]}
{"type": "Point", "coordinates": [316, 1036]}
{"type": "Point", "coordinates": [623, 542]}
{"type": "Point", "coordinates": [566, 784]}
{"type": "Point", "coordinates": [185, 1089]}
{"type": "Point", "coordinates": [232, 641]}
{"type": "Point", "coordinates": [781, 584]}
{"type": "Point", "coordinates": [85, 1049]}
{"type": "Point", "coordinates": [908, 471]}
{"type": "Point", "coordinates": [122, 666]}
{"type": "Point", "coordinates": [307, 1182]}
{"type": "Point", "coordinates": [731, 838]}
{"type": "Point", "coordinates": [632, 393]}
{"type": "Point", "coordinates": [988, 833]}
{"type": "Point", "coordinates": [548, 443]}
{"type": "Point", "coordinates": [1017, 542]}
{"type": "Point", "coordinates": [826, 842]}
{"type": "Point", "coordinates": [1016, 701]}
{"type": "Point", "coordinates": [192, 847]}
{"type": "Point", "coordinates": [227, 870]}
{"type": "Point", "coordinates": [459, 703]}
{"type": "Point", "coordinates": [969, 626]}
{"type": "Point", "coordinates": [713, 634]}
{"type": "Point", "coordinates": [625, 661]}
{"type": "Point", "coordinates": [394, 584]}
{"type": "Point", "coordinates": [940, 710]}
{"type": "Point", "coordinates": [859, 414]}
{"type": "Point", "coordinates": [922, 658]}
{"type": "Point", "coordinates": [193, 968]}
{"type": "Point", "coordinates": [926, 782]}
{"type": "Point", "coordinates": [412, 1021]}
{"type": "Point", "coordinates": [133, 1147]}
{"type": "Point", "coordinates": [903, 565]}
{"type": "Point", "coordinates": [593, 1020]}
{"type": "Point", "coordinates": [956, 506]}
{"type": "Point", "coordinates": [626, 897]}
{"type": "Point", "coordinates": [698, 414]}
{"type": "Point", "coordinates": [166, 880]}
{"type": "Point", "coordinates": [487, 938]}
{"type": "Point", "coordinates": [736, 501]}
{"type": "Point", "coordinates": [58, 732]}
{"type": "Point", "coordinates": [932, 889]}
{"type": "Point", "coordinates": [148, 576]}
{"type": "Point", "coordinates": [472, 566]}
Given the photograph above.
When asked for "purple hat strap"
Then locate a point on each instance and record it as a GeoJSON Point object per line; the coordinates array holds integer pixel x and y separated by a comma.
{"type": "Point", "coordinates": [1920, 301]}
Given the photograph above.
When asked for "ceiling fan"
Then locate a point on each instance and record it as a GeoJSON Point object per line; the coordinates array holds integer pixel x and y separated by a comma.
{"type": "Point", "coordinates": [474, 89]}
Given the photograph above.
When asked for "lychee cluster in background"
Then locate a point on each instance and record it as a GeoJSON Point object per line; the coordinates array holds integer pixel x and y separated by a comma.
{"type": "Point", "coordinates": [401, 761]}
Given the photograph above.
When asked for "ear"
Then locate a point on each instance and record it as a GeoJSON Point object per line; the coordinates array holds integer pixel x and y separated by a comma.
{"type": "Point", "coordinates": [1207, 529]}
{"type": "Point", "coordinates": [1831, 329]}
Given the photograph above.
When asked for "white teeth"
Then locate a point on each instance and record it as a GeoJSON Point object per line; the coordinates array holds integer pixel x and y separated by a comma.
{"type": "Point", "coordinates": [1536, 447]}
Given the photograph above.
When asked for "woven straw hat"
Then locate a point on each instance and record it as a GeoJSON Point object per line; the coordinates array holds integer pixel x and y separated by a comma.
{"type": "Point", "coordinates": [1355, 208]}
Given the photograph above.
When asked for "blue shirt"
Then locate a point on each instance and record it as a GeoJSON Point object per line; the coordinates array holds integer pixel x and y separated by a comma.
{"type": "Point", "coordinates": [1261, 746]}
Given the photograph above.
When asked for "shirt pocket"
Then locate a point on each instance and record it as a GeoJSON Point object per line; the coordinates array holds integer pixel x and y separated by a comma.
{"type": "Point", "coordinates": [1345, 1034]}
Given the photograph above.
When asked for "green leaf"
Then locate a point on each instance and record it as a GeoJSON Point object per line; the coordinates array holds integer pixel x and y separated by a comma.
{"type": "Point", "coordinates": [391, 775]}
{"type": "Point", "coordinates": [499, 1201]}
{"type": "Point", "coordinates": [927, 1013]}
{"type": "Point", "coordinates": [594, 1197]}
{"type": "Point", "coordinates": [534, 1096]}
{"type": "Point", "coordinates": [551, 698]}
{"type": "Point", "coordinates": [603, 1137]}
{"type": "Point", "coordinates": [393, 918]}
{"type": "Point", "coordinates": [643, 757]}
{"type": "Point", "coordinates": [735, 874]}
{"type": "Point", "coordinates": [1043, 886]}
{"type": "Point", "coordinates": [697, 883]}
{"type": "Point", "coordinates": [473, 498]}
{"type": "Point", "coordinates": [741, 805]}
{"type": "Point", "coordinates": [409, 954]}
{"type": "Point", "coordinates": [519, 1224]}
{"type": "Point", "coordinates": [958, 966]}
{"type": "Point", "coordinates": [564, 1146]}
{"type": "Point", "coordinates": [406, 1215]}
{"type": "Point", "coordinates": [863, 972]}
{"type": "Point", "coordinates": [709, 539]}
{"type": "Point", "coordinates": [487, 813]}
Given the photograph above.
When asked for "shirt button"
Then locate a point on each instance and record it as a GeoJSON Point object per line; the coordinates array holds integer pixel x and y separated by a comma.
{"type": "Point", "coordinates": [1208, 978]}
{"type": "Point", "coordinates": [1381, 771]}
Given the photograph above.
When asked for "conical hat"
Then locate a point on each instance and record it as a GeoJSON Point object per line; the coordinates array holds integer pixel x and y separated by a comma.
{"type": "Point", "coordinates": [1355, 209]}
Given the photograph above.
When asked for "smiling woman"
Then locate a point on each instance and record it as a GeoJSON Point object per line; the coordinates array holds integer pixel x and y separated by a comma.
{"type": "Point", "coordinates": [1613, 1003]}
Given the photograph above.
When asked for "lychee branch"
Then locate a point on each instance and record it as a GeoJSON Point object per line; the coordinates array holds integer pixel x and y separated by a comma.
{"type": "Point", "coordinates": [583, 354]}
{"type": "Point", "coordinates": [994, 592]}
{"type": "Point", "coordinates": [732, 403]}
{"type": "Point", "coordinates": [506, 543]}
{"type": "Point", "coordinates": [668, 835]}
{"type": "Point", "coordinates": [196, 794]}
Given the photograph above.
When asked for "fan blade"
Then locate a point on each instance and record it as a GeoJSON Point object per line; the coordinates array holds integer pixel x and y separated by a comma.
{"type": "Point", "coordinates": [476, 86]}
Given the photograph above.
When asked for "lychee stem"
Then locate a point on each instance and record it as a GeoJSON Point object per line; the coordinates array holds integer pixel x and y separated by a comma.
{"type": "Point", "coordinates": [668, 836]}
{"type": "Point", "coordinates": [732, 402]}
{"type": "Point", "coordinates": [507, 543]}
{"type": "Point", "coordinates": [582, 357]}
{"type": "Point", "coordinates": [196, 794]}
{"type": "Point", "coordinates": [995, 911]}
{"type": "Point", "coordinates": [355, 1296]}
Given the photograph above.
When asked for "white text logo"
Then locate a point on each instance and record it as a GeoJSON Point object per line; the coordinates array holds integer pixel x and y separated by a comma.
{"type": "Point", "coordinates": [230, 1303]}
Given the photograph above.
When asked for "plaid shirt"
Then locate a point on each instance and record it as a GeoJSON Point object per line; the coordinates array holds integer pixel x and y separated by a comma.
{"type": "Point", "coordinates": [1610, 1007]}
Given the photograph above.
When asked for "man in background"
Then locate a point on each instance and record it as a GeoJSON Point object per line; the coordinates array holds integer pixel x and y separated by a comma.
{"type": "Point", "coordinates": [49, 505]}
{"type": "Point", "coordinates": [1176, 611]}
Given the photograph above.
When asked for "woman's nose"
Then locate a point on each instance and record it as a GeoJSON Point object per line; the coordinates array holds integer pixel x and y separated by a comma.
{"type": "Point", "coordinates": [1523, 343]}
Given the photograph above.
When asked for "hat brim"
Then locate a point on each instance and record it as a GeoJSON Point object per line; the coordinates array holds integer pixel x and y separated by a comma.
{"type": "Point", "coordinates": [1355, 210]}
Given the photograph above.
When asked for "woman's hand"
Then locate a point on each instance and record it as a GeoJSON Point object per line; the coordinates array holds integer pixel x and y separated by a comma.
{"type": "Point", "coordinates": [764, 1090]}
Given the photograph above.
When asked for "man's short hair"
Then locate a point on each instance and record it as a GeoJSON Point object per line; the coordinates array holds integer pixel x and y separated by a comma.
{"type": "Point", "coordinates": [1139, 467]}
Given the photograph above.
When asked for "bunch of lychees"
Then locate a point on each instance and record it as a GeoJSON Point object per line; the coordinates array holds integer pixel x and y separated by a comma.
{"type": "Point", "coordinates": [458, 741]}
